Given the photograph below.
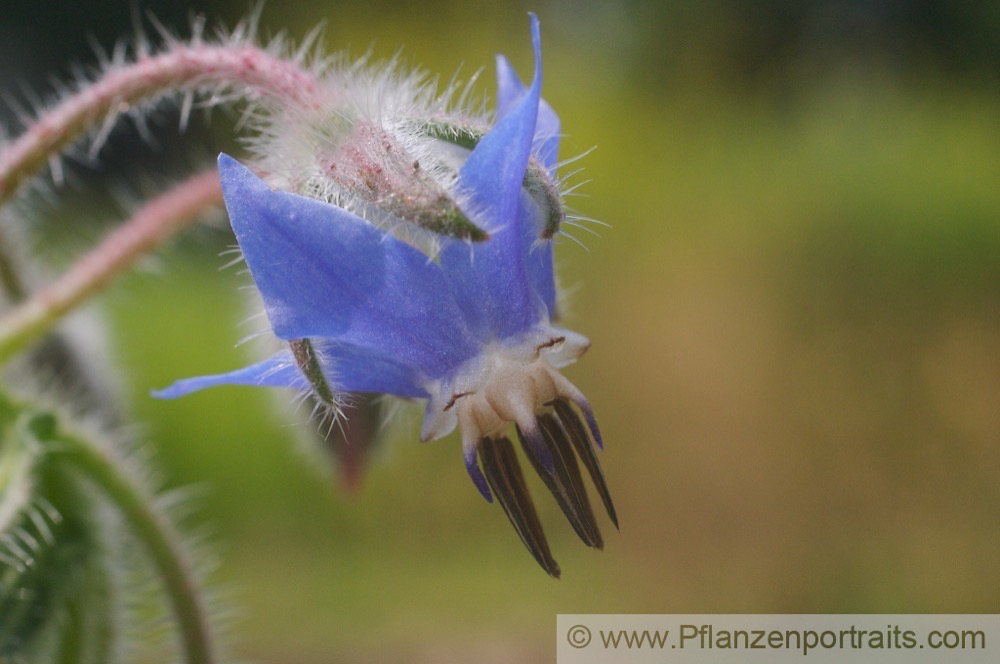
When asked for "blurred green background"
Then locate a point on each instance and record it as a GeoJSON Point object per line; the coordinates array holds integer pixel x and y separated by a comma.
{"type": "Point", "coordinates": [795, 316]}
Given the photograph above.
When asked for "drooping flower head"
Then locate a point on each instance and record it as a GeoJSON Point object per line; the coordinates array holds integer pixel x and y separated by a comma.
{"type": "Point", "coordinates": [465, 322]}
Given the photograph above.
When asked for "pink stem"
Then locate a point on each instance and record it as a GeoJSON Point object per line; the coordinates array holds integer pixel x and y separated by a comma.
{"type": "Point", "coordinates": [156, 222]}
{"type": "Point", "coordinates": [184, 66]}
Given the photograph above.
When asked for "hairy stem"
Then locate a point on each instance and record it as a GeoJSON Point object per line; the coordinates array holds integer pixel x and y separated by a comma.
{"type": "Point", "coordinates": [11, 282]}
{"type": "Point", "coordinates": [242, 69]}
{"type": "Point", "coordinates": [156, 534]}
{"type": "Point", "coordinates": [156, 222]}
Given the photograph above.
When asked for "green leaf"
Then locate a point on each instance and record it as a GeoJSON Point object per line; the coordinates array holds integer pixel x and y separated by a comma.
{"type": "Point", "coordinates": [57, 599]}
{"type": "Point", "coordinates": [45, 545]}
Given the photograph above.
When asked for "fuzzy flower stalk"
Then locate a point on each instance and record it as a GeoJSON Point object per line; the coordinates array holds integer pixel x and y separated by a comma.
{"type": "Point", "coordinates": [403, 246]}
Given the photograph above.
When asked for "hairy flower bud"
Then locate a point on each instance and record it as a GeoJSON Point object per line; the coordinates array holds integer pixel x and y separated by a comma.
{"type": "Point", "coordinates": [383, 182]}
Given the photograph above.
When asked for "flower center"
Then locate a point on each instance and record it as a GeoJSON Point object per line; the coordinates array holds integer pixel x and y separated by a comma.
{"type": "Point", "coordinates": [506, 383]}
{"type": "Point", "coordinates": [512, 391]}
{"type": "Point", "coordinates": [520, 383]}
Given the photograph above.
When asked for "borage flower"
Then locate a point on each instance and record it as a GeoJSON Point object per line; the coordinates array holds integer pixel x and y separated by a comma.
{"type": "Point", "coordinates": [467, 327]}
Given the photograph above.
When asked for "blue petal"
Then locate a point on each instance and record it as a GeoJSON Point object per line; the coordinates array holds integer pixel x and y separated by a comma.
{"type": "Point", "coordinates": [493, 173]}
{"type": "Point", "coordinates": [324, 272]}
{"type": "Point", "coordinates": [545, 145]}
{"type": "Point", "coordinates": [546, 148]}
{"type": "Point", "coordinates": [541, 267]}
{"type": "Point", "coordinates": [348, 368]}
{"type": "Point", "coordinates": [490, 279]}
{"type": "Point", "coordinates": [277, 371]}
{"type": "Point", "coordinates": [361, 370]}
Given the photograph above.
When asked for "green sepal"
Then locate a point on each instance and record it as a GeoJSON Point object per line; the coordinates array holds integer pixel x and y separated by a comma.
{"type": "Point", "coordinates": [449, 132]}
{"type": "Point", "coordinates": [443, 217]}
{"type": "Point", "coordinates": [308, 363]}
{"type": "Point", "coordinates": [539, 185]}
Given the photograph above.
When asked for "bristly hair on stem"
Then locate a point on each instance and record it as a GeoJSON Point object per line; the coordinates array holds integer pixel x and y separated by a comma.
{"type": "Point", "coordinates": [226, 68]}
{"type": "Point", "coordinates": [153, 224]}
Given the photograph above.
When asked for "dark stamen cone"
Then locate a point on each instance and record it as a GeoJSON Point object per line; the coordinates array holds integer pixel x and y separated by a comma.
{"type": "Point", "coordinates": [503, 473]}
{"type": "Point", "coordinates": [565, 482]}
{"type": "Point", "coordinates": [581, 441]}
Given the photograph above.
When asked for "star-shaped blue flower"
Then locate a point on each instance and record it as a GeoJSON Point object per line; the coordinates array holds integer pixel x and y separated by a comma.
{"type": "Point", "coordinates": [469, 329]}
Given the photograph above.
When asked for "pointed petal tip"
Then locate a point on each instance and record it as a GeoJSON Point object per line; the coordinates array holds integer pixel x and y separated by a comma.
{"type": "Point", "coordinates": [183, 387]}
{"type": "Point", "coordinates": [533, 17]}
{"type": "Point", "coordinates": [536, 42]}
{"type": "Point", "coordinates": [230, 166]}
{"type": "Point", "coordinates": [505, 68]}
{"type": "Point", "coordinates": [509, 86]}
{"type": "Point", "coordinates": [276, 371]}
{"type": "Point", "coordinates": [237, 179]}
{"type": "Point", "coordinates": [472, 467]}
{"type": "Point", "coordinates": [170, 392]}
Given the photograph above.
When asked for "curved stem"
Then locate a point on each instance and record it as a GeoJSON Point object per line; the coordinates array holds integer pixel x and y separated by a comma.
{"type": "Point", "coordinates": [243, 69]}
{"type": "Point", "coordinates": [12, 284]}
{"type": "Point", "coordinates": [154, 223]}
{"type": "Point", "coordinates": [156, 534]}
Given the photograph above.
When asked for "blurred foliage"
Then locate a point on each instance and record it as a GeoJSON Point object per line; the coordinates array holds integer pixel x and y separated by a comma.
{"type": "Point", "coordinates": [795, 317]}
